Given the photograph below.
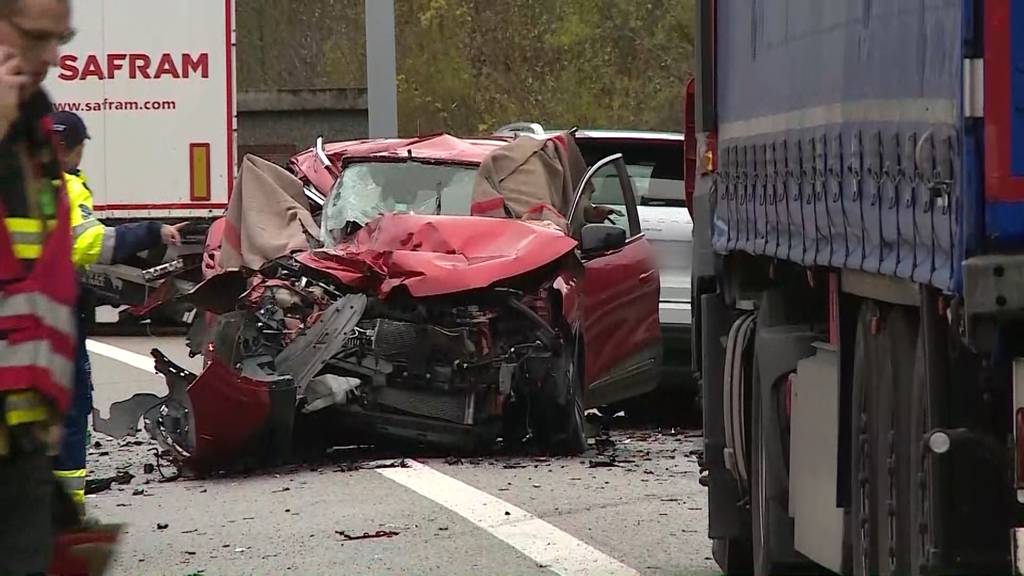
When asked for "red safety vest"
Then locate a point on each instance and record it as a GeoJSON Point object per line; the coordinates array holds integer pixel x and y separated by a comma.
{"type": "Point", "coordinates": [37, 314]}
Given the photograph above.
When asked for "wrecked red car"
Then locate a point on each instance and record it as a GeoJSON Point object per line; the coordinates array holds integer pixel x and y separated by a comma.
{"type": "Point", "coordinates": [451, 292]}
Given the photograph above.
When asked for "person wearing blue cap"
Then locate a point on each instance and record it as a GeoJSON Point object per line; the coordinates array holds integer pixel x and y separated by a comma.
{"type": "Point", "coordinates": [92, 243]}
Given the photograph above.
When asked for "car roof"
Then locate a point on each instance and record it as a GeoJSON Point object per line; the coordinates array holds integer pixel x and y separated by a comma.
{"type": "Point", "coordinates": [435, 148]}
{"type": "Point", "coordinates": [440, 148]}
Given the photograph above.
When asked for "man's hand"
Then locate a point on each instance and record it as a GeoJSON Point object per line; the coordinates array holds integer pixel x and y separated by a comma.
{"type": "Point", "coordinates": [12, 81]}
{"type": "Point", "coordinates": [171, 235]}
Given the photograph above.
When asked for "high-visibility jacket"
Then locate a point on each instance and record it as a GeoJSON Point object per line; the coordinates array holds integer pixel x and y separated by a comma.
{"type": "Point", "coordinates": [95, 243]}
{"type": "Point", "coordinates": [37, 305]}
{"type": "Point", "coordinates": [91, 241]}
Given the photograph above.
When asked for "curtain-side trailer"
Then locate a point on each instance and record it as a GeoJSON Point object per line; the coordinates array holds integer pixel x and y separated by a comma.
{"type": "Point", "coordinates": [859, 267]}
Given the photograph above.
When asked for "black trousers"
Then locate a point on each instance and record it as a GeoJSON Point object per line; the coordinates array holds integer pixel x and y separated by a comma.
{"type": "Point", "coordinates": [28, 493]}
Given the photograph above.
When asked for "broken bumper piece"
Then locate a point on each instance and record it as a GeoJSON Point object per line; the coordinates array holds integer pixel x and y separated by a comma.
{"type": "Point", "coordinates": [212, 418]}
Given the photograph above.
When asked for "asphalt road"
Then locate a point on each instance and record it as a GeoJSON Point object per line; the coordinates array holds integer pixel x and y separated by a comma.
{"type": "Point", "coordinates": [509, 516]}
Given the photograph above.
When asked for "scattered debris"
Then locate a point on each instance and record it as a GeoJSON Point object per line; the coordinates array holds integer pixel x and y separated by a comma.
{"type": "Point", "coordinates": [602, 463]}
{"type": "Point", "coordinates": [138, 492]}
{"type": "Point", "coordinates": [97, 444]}
{"type": "Point", "coordinates": [285, 489]}
{"type": "Point", "coordinates": [97, 485]}
{"type": "Point", "coordinates": [536, 485]}
{"type": "Point", "coordinates": [513, 465]}
{"type": "Point", "coordinates": [671, 499]}
{"type": "Point", "coordinates": [442, 528]}
{"type": "Point", "coordinates": [240, 549]}
{"type": "Point", "coordinates": [507, 513]}
{"type": "Point", "coordinates": [367, 535]}
{"type": "Point", "coordinates": [148, 468]}
{"type": "Point", "coordinates": [379, 464]}
{"type": "Point", "coordinates": [453, 461]}
{"type": "Point", "coordinates": [192, 531]}
{"type": "Point", "coordinates": [162, 525]}
{"type": "Point", "coordinates": [190, 552]}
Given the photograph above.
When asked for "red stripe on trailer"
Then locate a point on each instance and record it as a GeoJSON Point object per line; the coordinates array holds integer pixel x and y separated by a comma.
{"type": "Point", "coordinates": [230, 68]}
{"type": "Point", "coordinates": [161, 206]}
{"type": "Point", "coordinates": [1000, 184]}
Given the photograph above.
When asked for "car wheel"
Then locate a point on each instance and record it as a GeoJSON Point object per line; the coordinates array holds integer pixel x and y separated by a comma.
{"type": "Point", "coordinates": [571, 438]}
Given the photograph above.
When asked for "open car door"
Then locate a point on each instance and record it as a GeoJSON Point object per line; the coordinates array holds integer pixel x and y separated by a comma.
{"type": "Point", "coordinates": [620, 291]}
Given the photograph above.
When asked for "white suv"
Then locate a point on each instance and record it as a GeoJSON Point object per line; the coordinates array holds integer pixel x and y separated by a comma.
{"type": "Point", "coordinates": [655, 163]}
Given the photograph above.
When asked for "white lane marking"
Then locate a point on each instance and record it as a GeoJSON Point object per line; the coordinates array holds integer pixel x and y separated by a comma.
{"type": "Point", "coordinates": [123, 356]}
{"type": "Point", "coordinates": [547, 545]}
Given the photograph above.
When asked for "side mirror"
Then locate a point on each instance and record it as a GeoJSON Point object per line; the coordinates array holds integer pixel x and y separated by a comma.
{"type": "Point", "coordinates": [598, 238]}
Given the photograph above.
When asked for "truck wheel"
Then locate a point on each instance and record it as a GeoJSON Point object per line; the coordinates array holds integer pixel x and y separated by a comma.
{"type": "Point", "coordinates": [881, 471]}
{"type": "Point", "coordinates": [862, 535]}
{"type": "Point", "coordinates": [923, 494]}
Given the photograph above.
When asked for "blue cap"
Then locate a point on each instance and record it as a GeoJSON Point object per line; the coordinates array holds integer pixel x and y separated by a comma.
{"type": "Point", "coordinates": [70, 128]}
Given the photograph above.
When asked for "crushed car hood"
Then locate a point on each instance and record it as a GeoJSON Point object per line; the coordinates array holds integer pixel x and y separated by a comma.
{"type": "Point", "coordinates": [435, 255]}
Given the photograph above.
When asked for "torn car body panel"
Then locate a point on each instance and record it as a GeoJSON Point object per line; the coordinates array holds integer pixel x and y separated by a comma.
{"type": "Point", "coordinates": [435, 255]}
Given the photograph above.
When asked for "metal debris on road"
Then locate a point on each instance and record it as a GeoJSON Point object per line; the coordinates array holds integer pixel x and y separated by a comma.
{"type": "Point", "coordinates": [162, 525]}
{"type": "Point", "coordinates": [379, 464]}
{"type": "Point", "coordinates": [138, 492]}
{"type": "Point", "coordinates": [97, 485]}
{"type": "Point", "coordinates": [367, 535]}
{"type": "Point", "coordinates": [285, 489]}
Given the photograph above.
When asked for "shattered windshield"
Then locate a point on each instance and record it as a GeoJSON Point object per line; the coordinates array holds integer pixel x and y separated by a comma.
{"type": "Point", "coordinates": [369, 189]}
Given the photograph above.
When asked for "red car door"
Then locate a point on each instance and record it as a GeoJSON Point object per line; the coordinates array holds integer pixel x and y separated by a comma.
{"type": "Point", "coordinates": [620, 290]}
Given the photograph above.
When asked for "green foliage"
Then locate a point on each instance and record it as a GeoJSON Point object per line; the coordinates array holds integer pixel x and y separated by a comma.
{"type": "Point", "coordinates": [469, 66]}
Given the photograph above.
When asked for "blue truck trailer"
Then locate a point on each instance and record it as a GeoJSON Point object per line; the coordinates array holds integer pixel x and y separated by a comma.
{"type": "Point", "coordinates": [858, 204]}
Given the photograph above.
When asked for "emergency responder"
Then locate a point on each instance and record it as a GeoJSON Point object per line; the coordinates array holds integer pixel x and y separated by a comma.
{"type": "Point", "coordinates": [37, 285]}
{"type": "Point", "coordinates": [92, 243]}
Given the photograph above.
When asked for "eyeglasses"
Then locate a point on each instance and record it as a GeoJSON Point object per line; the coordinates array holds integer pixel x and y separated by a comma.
{"type": "Point", "coordinates": [41, 37]}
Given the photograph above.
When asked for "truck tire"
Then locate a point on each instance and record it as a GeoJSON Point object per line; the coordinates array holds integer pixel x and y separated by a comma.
{"type": "Point", "coordinates": [880, 510]}
{"type": "Point", "coordinates": [862, 534]}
